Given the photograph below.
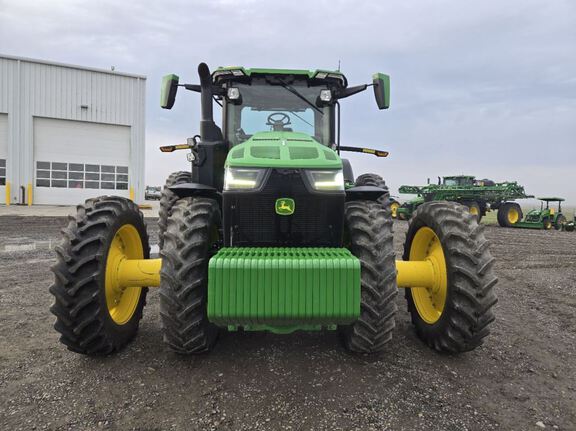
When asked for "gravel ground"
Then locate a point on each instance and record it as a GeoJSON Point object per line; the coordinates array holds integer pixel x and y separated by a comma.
{"type": "Point", "coordinates": [524, 377]}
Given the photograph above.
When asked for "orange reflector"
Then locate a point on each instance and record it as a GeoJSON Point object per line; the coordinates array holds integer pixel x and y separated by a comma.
{"type": "Point", "coordinates": [170, 148]}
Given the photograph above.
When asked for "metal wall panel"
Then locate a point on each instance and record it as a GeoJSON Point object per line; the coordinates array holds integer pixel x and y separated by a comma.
{"type": "Point", "coordinates": [36, 89]}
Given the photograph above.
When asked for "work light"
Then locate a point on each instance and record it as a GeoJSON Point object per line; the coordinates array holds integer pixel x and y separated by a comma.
{"type": "Point", "coordinates": [325, 95]}
{"type": "Point", "coordinates": [242, 178]}
{"type": "Point", "coordinates": [233, 93]}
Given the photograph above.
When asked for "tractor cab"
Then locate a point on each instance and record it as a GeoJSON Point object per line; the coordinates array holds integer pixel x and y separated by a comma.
{"type": "Point", "coordinates": [271, 118]}
{"type": "Point", "coordinates": [459, 181]}
{"type": "Point", "coordinates": [282, 101]}
{"type": "Point", "coordinates": [547, 201]}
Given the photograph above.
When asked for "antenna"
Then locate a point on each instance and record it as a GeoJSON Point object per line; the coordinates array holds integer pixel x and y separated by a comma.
{"type": "Point", "coordinates": [338, 65]}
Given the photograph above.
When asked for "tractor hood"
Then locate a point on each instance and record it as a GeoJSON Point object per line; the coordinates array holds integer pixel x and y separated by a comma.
{"type": "Point", "coordinates": [283, 150]}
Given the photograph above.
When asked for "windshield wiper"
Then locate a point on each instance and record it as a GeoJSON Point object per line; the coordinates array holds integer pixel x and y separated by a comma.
{"type": "Point", "coordinates": [302, 119]}
{"type": "Point", "coordinates": [300, 96]}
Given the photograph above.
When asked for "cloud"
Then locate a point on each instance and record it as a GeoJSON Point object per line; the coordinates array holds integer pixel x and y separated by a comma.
{"type": "Point", "coordinates": [486, 88]}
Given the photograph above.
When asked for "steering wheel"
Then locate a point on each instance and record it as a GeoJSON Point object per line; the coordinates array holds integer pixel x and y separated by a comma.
{"type": "Point", "coordinates": [278, 120]}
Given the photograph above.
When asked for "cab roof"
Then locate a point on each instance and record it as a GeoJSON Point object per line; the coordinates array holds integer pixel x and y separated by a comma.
{"type": "Point", "coordinates": [452, 177]}
{"type": "Point", "coordinates": [552, 199]}
{"type": "Point", "coordinates": [240, 71]}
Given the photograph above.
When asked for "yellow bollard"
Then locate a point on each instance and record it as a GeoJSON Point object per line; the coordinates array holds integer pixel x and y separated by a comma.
{"type": "Point", "coordinates": [30, 191]}
{"type": "Point", "coordinates": [8, 194]}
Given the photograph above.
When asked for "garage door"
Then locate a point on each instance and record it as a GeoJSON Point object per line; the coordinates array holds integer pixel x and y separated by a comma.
{"type": "Point", "coordinates": [76, 160]}
{"type": "Point", "coordinates": [3, 154]}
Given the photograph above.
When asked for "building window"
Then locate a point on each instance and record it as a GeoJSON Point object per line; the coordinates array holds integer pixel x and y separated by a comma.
{"type": "Point", "coordinates": [76, 175]}
{"type": "Point", "coordinates": [2, 172]}
{"type": "Point", "coordinates": [56, 166]}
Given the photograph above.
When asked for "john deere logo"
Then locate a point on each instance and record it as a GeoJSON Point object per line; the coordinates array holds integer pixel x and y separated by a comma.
{"type": "Point", "coordinates": [285, 206]}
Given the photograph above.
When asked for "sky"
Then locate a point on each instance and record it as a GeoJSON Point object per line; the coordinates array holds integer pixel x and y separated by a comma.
{"type": "Point", "coordinates": [484, 88]}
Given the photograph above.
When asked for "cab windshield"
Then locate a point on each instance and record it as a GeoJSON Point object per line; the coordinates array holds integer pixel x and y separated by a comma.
{"type": "Point", "coordinates": [464, 181]}
{"type": "Point", "coordinates": [266, 107]}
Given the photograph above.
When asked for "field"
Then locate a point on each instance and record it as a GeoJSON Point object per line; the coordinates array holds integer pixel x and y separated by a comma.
{"type": "Point", "coordinates": [523, 377]}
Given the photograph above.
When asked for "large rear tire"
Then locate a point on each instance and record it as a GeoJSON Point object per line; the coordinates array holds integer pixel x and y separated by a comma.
{"type": "Point", "coordinates": [191, 239]}
{"type": "Point", "coordinates": [371, 240]}
{"type": "Point", "coordinates": [93, 315]}
{"type": "Point", "coordinates": [168, 199]}
{"type": "Point", "coordinates": [509, 214]}
{"type": "Point", "coordinates": [455, 317]}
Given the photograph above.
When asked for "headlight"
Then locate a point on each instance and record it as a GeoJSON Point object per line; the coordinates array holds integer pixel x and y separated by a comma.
{"type": "Point", "coordinates": [327, 179]}
{"type": "Point", "coordinates": [242, 178]}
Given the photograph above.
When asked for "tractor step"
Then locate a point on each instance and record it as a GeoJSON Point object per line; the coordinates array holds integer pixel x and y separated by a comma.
{"type": "Point", "coordinates": [283, 289]}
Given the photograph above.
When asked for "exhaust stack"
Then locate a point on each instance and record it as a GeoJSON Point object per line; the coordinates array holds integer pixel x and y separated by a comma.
{"type": "Point", "coordinates": [208, 129]}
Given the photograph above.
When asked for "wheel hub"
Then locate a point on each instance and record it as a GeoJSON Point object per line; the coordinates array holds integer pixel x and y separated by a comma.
{"type": "Point", "coordinates": [513, 215]}
{"type": "Point", "coordinates": [122, 300]}
{"type": "Point", "coordinates": [430, 300]}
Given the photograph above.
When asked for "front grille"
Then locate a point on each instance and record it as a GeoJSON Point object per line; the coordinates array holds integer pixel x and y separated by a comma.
{"type": "Point", "coordinates": [250, 219]}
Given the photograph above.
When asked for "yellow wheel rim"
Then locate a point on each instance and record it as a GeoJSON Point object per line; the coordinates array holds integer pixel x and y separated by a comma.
{"type": "Point", "coordinates": [430, 302]}
{"type": "Point", "coordinates": [513, 215]}
{"type": "Point", "coordinates": [122, 302]}
{"type": "Point", "coordinates": [474, 211]}
{"type": "Point", "coordinates": [394, 208]}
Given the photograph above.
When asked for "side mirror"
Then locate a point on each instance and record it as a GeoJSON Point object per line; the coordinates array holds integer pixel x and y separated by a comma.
{"type": "Point", "coordinates": [381, 84]}
{"type": "Point", "coordinates": [168, 91]}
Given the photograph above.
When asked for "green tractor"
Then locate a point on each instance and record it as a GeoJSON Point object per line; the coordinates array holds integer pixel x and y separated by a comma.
{"type": "Point", "coordinates": [546, 217]}
{"type": "Point", "coordinates": [271, 231]}
{"type": "Point", "coordinates": [405, 211]}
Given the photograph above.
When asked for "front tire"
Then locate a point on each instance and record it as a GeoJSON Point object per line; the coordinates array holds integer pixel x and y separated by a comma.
{"type": "Point", "coordinates": [455, 317]}
{"type": "Point", "coordinates": [191, 239]}
{"type": "Point", "coordinates": [371, 240]}
{"type": "Point", "coordinates": [93, 316]}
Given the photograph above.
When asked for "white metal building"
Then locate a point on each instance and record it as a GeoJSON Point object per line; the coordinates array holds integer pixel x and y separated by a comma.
{"type": "Point", "coordinates": [68, 132]}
